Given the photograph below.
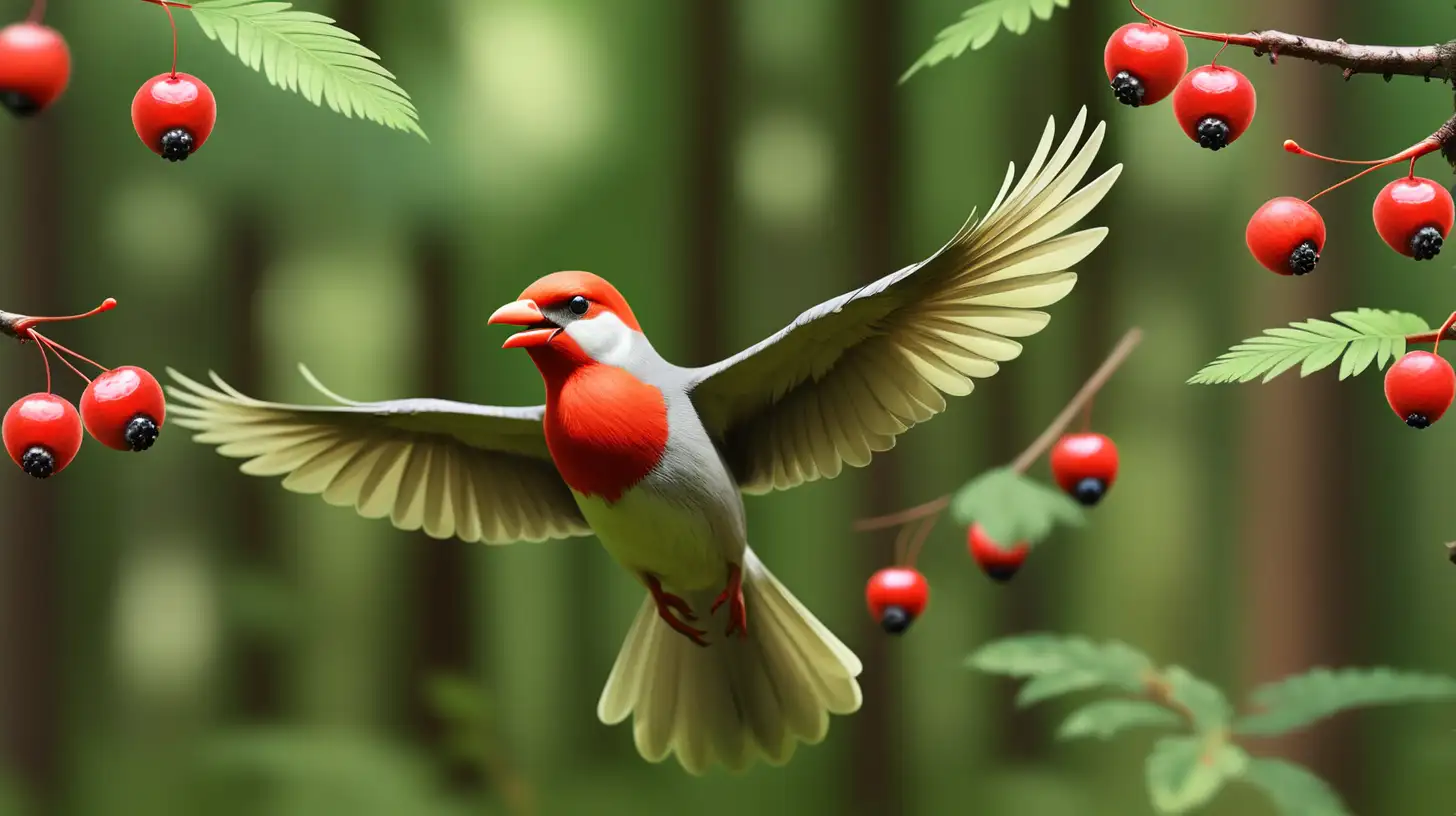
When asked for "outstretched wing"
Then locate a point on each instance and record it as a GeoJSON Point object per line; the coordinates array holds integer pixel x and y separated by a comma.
{"type": "Point", "coordinates": [848, 376]}
{"type": "Point", "coordinates": [473, 472]}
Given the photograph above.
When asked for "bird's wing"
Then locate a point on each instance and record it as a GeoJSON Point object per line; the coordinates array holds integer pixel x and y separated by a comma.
{"type": "Point", "coordinates": [849, 375]}
{"type": "Point", "coordinates": [473, 472]}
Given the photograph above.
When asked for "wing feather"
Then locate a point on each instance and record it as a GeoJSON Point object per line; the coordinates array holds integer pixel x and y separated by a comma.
{"type": "Point", "coordinates": [846, 377]}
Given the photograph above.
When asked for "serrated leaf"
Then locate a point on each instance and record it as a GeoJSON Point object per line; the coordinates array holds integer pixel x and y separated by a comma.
{"type": "Point", "coordinates": [1294, 790]}
{"type": "Point", "coordinates": [979, 25]}
{"type": "Point", "coordinates": [1358, 339]}
{"type": "Point", "coordinates": [1105, 719]}
{"type": "Point", "coordinates": [1012, 508]}
{"type": "Point", "coordinates": [306, 53]}
{"type": "Point", "coordinates": [1061, 665]}
{"type": "Point", "coordinates": [1208, 705]}
{"type": "Point", "coordinates": [1304, 699]}
{"type": "Point", "coordinates": [1184, 773]}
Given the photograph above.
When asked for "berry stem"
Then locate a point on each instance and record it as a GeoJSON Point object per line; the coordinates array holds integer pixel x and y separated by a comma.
{"type": "Point", "coordinates": [1246, 40]}
{"type": "Point", "coordinates": [37, 12]}
{"type": "Point", "coordinates": [58, 348]}
{"type": "Point", "coordinates": [171, 21]}
{"type": "Point", "coordinates": [1081, 400]}
{"type": "Point", "coordinates": [19, 326]}
{"type": "Point", "coordinates": [1430, 144]}
{"type": "Point", "coordinates": [46, 361]}
{"type": "Point", "coordinates": [1445, 327]}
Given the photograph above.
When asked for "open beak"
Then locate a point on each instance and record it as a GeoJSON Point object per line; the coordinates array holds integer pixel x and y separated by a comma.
{"type": "Point", "coordinates": [524, 313]}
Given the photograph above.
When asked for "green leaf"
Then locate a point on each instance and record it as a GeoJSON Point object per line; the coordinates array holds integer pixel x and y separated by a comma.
{"type": "Point", "coordinates": [1187, 772]}
{"type": "Point", "coordinates": [1013, 509]}
{"type": "Point", "coordinates": [1361, 337]}
{"type": "Point", "coordinates": [1294, 789]}
{"type": "Point", "coordinates": [306, 53]}
{"type": "Point", "coordinates": [1304, 699]}
{"type": "Point", "coordinates": [1210, 708]}
{"type": "Point", "coordinates": [978, 26]}
{"type": "Point", "coordinates": [1105, 719]}
{"type": "Point", "coordinates": [1061, 665]}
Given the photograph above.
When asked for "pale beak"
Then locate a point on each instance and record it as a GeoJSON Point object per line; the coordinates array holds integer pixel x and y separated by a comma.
{"type": "Point", "coordinates": [524, 313]}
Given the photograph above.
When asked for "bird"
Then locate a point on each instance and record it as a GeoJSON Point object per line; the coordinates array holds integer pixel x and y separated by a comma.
{"type": "Point", "coordinates": [721, 665]}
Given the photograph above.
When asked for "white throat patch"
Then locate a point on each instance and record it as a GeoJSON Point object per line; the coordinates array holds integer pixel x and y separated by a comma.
{"type": "Point", "coordinates": [605, 338]}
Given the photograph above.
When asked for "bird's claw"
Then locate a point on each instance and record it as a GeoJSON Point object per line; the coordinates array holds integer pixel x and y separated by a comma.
{"type": "Point", "coordinates": [667, 604]}
{"type": "Point", "coordinates": [733, 596]}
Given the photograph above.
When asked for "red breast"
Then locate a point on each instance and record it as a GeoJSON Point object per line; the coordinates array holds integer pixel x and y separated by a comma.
{"type": "Point", "coordinates": [605, 428]}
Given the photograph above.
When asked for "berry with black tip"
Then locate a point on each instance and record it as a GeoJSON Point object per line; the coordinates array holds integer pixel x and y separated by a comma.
{"type": "Point", "coordinates": [1001, 564]}
{"type": "Point", "coordinates": [1414, 216]}
{"type": "Point", "coordinates": [124, 409]}
{"type": "Point", "coordinates": [1214, 105]}
{"type": "Point", "coordinates": [1144, 63]}
{"type": "Point", "coordinates": [896, 597]}
{"type": "Point", "coordinates": [1084, 466]}
{"type": "Point", "coordinates": [1286, 236]}
{"type": "Point", "coordinates": [35, 68]}
{"type": "Point", "coordinates": [174, 115]}
{"type": "Point", "coordinates": [42, 434]}
{"type": "Point", "coordinates": [1420, 387]}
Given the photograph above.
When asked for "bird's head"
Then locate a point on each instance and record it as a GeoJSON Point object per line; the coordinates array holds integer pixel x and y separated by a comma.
{"type": "Point", "coordinates": [570, 319]}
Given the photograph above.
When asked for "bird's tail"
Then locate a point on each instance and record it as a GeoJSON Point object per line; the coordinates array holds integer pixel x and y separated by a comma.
{"type": "Point", "coordinates": [738, 700]}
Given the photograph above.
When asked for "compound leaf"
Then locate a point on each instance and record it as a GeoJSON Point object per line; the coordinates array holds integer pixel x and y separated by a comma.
{"type": "Point", "coordinates": [1209, 707]}
{"type": "Point", "coordinates": [1012, 508]}
{"type": "Point", "coordinates": [1105, 719]}
{"type": "Point", "coordinates": [1357, 339]}
{"type": "Point", "coordinates": [306, 53]}
{"type": "Point", "coordinates": [1184, 773]}
{"type": "Point", "coordinates": [1059, 665]}
{"type": "Point", "coordinates": [1304, 699]}
{"type": "Point", "coordinates": [1294, 790]}
{"type": "Point", "coordinates": [979, 25]}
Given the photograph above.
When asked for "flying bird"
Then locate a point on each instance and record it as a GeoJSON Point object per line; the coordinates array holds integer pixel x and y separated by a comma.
{"type": "Point", "coordinates": [722, 664]}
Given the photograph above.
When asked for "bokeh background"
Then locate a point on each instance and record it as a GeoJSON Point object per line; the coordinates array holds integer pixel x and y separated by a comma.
{"type": "Point", "coordinates": [176, 638]}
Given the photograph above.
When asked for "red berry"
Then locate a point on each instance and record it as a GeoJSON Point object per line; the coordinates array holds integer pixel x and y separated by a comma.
{"type": "Point", "coordinates": [124, 409]}
{"type": "Point", "coordinates": [35, 67]}
{"type": "Point", "coordinates": [42, 434]}
{"type": "Point", "coordinates": [1214, 105]}
{"type": "Point", "coordinates": [1144, 63]}
{"type": "Point", "coordinates": [1286, 236]}
{"type": "Point", "coordinates": [1414, 215]}
{"type": "Point", "coordinates": [174, 114]}
{"type": "Point", "coordinates": [896, 597]}
{"type": "Point", "coordinates": [1000, 564]}
{"type": "Point", "coordinates": [1085, 466]}
{"type": "Point", "coordinates": [1420, 387]}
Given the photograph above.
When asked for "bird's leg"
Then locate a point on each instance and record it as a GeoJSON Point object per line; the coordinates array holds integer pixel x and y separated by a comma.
{"type": "Point", "coordinates": [667, 603]}
{"type": "Point", "coordinates": [733, 596]}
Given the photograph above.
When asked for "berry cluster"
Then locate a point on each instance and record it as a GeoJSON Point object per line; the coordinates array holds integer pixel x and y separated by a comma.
{"type": "Point", "coordinates": [1146, 62]}
{"type": "Point", "coordinates": [173, 113]}
{"type": "Point", "coordinates": [122, 408]}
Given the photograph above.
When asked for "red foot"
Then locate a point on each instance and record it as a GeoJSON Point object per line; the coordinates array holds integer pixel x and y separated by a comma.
{"type": "Point", "coordinates": [733, 596]}
{"type": "Point", "coordinates": [667, 603]}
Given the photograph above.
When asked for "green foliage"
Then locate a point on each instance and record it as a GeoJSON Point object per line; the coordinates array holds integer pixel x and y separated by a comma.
{"type": "Point", "coordinates": [978, 26]}
{"type": "Point", "coordinates": [1186, 771]}
{"type": "Point", "coordinates": [306, 53]}
{"type": "Point", "coordinates": [1013, 509]}
{"type": "Point", "coordinates": [1361, 337]}
{"type": "Point", "coordinates": [1304, 699]}
{"type": "Point", "coordinates": [1105, 719]}
{"type": "Point", "coordinates": [1294, 790]}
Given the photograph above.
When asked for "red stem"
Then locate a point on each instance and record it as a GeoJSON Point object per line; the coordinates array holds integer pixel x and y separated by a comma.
{"type": "Point", "coordinates": [1245, 40]}
{"type": "Point", "coordinates": [1445, 327]}
{"type": "Point", "coordinates": [57, 347]}
{"type": "Point", "coordinates": [37, 11]}
{"type": "Point", "coordinates": [46, 361]}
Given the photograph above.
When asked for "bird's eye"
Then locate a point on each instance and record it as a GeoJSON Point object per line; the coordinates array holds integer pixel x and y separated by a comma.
{"type": "Point", "coordinates": [578, 305]}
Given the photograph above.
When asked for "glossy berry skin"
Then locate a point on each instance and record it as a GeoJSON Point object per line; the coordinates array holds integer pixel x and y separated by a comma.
{"type": "Point", "coordinates": [35, 67]}
{"type": "Point", "coordinates": [1214, 105]}
{"type": "Point", "coordinates": [124, 409]}
{"type": "Point", "coordinates": [896, 597]}
{"type": "Point", "coordinates": [1144, 63]}
{"type": "Point", "coordinates": [1420, 387]}
{"type": "Point", "coordinates": [1414, 217]}
{"type": "Point", "coordinates": [1000, 564]}
{"type": "Point", "coordinates": [174, 115]}
{"type": "Point", "coordinates": [1286, 236]}
{"type": "Point", "coordinates": [1084, 466]}
{"type": "Point", "coordinates": [42, 434]}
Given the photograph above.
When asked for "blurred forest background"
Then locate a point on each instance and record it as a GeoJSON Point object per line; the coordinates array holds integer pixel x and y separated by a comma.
{"type": "Point", "coordinates": [176, 638]}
